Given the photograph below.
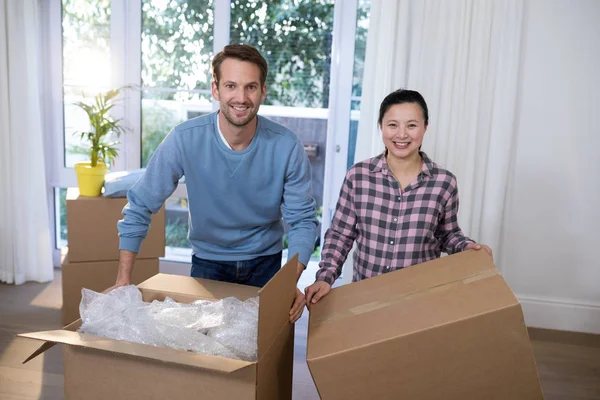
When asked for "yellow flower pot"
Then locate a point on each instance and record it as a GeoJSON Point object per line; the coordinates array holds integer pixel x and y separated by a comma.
{"type": "Point", "coordinates": [90, 179]}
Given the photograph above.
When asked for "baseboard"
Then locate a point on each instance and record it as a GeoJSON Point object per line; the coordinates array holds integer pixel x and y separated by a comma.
{"type": "Point", "coordinates": [562, 315]}
{"type": "Point", "coordinates": [564, 337]}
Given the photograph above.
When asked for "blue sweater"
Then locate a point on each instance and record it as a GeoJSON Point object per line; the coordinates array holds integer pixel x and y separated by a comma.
{"type": "Point", "coordinates": [236, 198]}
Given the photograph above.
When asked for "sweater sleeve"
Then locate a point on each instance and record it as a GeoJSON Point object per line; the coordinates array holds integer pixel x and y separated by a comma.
{"type": "Point", "coordinates": [149, 194]}
{"type": "Point", "coordinates": [451, 237]}
{"type": "Point", "coordinates": [340, 236]}
{"type": "Point", "coordinates": [299, 207]}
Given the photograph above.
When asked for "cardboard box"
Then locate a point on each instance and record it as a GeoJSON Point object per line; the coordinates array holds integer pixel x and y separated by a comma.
{"type": "Point", "coordinates": [97, 276]}
{"type": "Point", "coordinates": [446, 329]}
{"type": "Point", "coordinates": [92, 229]}
{"type": "Point", "coordinates": [100, 368]}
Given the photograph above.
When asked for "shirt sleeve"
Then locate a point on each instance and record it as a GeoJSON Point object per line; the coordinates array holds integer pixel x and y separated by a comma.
{"type": "Point", "coordinates": [340, 236]}
{"type": "Point", "coordinates": [449, 233]}
{"type": "Point", "coordinates": [298, 206]}
{"type": "Point", "coordinates": [149, 194]}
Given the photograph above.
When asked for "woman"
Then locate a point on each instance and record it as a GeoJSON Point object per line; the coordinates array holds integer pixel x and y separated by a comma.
{"type": "Point", "coordinates": [400, 207]}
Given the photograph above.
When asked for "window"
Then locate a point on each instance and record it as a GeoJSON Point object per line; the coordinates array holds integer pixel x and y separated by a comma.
{"type": "Point", "coordinates": [177, 48]}
{"type": "Point", "coordinates": [165, 47]}
{"type": "Point", "coordinates": [86, 66]}
{"type": "Point", "coordinates": [295, 38]}
{"type": "Point", "coordinates": [360, 46]}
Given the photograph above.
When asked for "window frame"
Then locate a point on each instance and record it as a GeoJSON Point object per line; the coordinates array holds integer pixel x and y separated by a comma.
{"type": "Point", "coordinates": [126, 25]}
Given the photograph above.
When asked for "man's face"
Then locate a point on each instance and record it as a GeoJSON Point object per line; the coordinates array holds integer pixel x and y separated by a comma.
{"type": "Point", "coordinates": [239, 92]}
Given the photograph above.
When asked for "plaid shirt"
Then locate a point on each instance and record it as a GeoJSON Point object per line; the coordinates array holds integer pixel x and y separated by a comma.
{"type": "Point", "coordinates": [393, 228]}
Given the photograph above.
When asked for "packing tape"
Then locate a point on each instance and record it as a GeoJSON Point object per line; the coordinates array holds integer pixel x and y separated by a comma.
{"type": "Point", "coordinates": [377, 305]}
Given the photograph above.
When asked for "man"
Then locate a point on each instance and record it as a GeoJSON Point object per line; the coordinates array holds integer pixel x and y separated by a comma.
{"type": "Point", "coordinates": [243, 173]}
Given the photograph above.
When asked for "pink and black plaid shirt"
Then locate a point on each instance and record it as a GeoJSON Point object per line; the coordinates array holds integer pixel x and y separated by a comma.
{"type": "Point", "coordinates": [393, 228]}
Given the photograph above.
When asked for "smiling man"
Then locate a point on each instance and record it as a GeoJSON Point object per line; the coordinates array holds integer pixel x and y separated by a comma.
{"type": "Point", "coordinates": [243, 174]}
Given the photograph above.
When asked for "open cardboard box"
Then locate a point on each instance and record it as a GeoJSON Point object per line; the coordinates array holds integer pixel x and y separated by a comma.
{"type": "Point", "coordinates": [446, 329]}
{"type": "Point", "coordinates": [101, 368]}
{"type": "Point", "coordinates": [97, 276]}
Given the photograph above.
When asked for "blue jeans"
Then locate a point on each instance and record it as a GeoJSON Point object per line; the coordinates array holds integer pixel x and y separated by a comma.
{"type": "Point", "coordinates": [256, 272]}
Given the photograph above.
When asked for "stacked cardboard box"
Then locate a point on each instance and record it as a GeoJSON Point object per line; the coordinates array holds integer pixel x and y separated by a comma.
{"type": "Point", "coordinates": [92, 258]}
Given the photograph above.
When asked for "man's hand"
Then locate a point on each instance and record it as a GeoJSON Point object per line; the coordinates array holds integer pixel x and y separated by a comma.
{"type": "Point", "coordinates": [297, 307]}
{"type": "Point", "coordinates": [115, 286]}
{"type": "Point", "coordinates": [126, 260]}
{"type": "Point", "coordinates": [316, 292]}
{"type": "Point", "coordinates": [477, 246]}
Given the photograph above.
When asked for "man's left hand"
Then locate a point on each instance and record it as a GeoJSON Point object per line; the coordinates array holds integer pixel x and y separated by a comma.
{"type": "Point", "coordinates": [477, 246]}
{"type": "Point", "coordinates": [298, 306]}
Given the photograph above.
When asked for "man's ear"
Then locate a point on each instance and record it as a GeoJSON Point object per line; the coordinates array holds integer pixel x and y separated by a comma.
{"type": "Point", "coordinates": [264, 93]}
{"type": "Point", "coordinates": [215, 90]}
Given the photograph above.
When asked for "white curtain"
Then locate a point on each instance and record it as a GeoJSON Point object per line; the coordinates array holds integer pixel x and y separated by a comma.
{"type": "Point", "coordinates": [463, 57]}
{"type": "Point", "coordinates": [25, 245]}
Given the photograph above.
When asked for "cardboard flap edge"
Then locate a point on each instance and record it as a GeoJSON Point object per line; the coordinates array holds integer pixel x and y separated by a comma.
{"type": "Point", "coordinates": [162, 354]}
{"type": "Point", "coordinates": [276, 298]}
{"type": "Point", "coordinates": [44, 336]}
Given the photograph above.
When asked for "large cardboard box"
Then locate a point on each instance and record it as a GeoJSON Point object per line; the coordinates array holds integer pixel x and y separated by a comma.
{"type": "Point", "coordinates": [100, 368]}
{"type": "Point", "coordinates": [92, 229]}
{"type": "Point", "coordinates": [446, 329]}
{"type": "Point", "coordinates": [97, 276]}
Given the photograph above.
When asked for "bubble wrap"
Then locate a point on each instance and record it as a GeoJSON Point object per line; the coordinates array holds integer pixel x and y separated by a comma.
{"type": "Point", "coordinates": [226, 328]}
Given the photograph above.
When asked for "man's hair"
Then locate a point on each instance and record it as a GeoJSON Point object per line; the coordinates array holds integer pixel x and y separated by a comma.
{"type": "Point", "coordinates": [242, 52]}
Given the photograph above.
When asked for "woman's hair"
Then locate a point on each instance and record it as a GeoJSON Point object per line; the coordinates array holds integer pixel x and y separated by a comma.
{"type": "Point", "coordinates": [402, 96]}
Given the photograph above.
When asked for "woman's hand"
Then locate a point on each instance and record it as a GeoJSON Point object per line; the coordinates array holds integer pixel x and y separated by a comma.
{"type": "Point", "coordinates": [316, 292]}
{"type": "Point", "coordinates": [477, 246]}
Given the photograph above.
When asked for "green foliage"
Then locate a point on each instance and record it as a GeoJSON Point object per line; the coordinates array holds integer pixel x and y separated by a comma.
{"type": "Point", "coordinates": [176, 234]}
{"type": "Point", "coordinates": [316, 253]}
{"type": "Point", "coordinates": [103, 128]}
{"type": "Point", "coordinates": [177, 40]}
{"type": "Point", "coordinates": [295, 38]}
{"type": "Point", "coordinates": [293, 35]}
{"type": "Point", "coordinates": [360, 46]}
{"type": "Point", "coordinates": [87, 24]}
{"type": "Point", "coordinates": [156, 123]}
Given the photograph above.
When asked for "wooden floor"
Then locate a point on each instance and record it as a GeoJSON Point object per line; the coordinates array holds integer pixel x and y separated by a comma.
{"type": "Point", "coordinates": [569, 364]}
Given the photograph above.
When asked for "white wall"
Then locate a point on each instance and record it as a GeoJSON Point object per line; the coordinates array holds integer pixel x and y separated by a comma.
{"type": "Point", "coordinates": [551, 256]}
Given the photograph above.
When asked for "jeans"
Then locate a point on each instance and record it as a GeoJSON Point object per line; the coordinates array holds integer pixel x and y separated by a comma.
{"type": "Point", "coordinates": [255, 272]}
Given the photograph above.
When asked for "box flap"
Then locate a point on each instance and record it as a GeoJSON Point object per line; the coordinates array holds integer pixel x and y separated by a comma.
{"type": "Point", "coordinates": [275, 301]}
{"type": "Point", "coordinates": [162, 354]}
{"type": "Point", "coordinates": [405, 281]}
{"type": "Point", "coordinates": [275, 369]}
{"type": "Point", "coordinates": [185, 288]}
{"type": "Point", "coordinates": [413, 299]}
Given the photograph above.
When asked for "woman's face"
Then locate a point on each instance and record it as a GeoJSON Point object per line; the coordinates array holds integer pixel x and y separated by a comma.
{"type": "Point", "coordinates": [403, 128]}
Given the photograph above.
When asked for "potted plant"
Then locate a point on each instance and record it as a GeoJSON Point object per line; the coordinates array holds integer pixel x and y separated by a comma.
{"type": "Point", "coordinates": [100, 142]}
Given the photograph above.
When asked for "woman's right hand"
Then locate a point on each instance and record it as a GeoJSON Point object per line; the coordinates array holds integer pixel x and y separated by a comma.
{"type": "Point", "coordinates": [316, 292]}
